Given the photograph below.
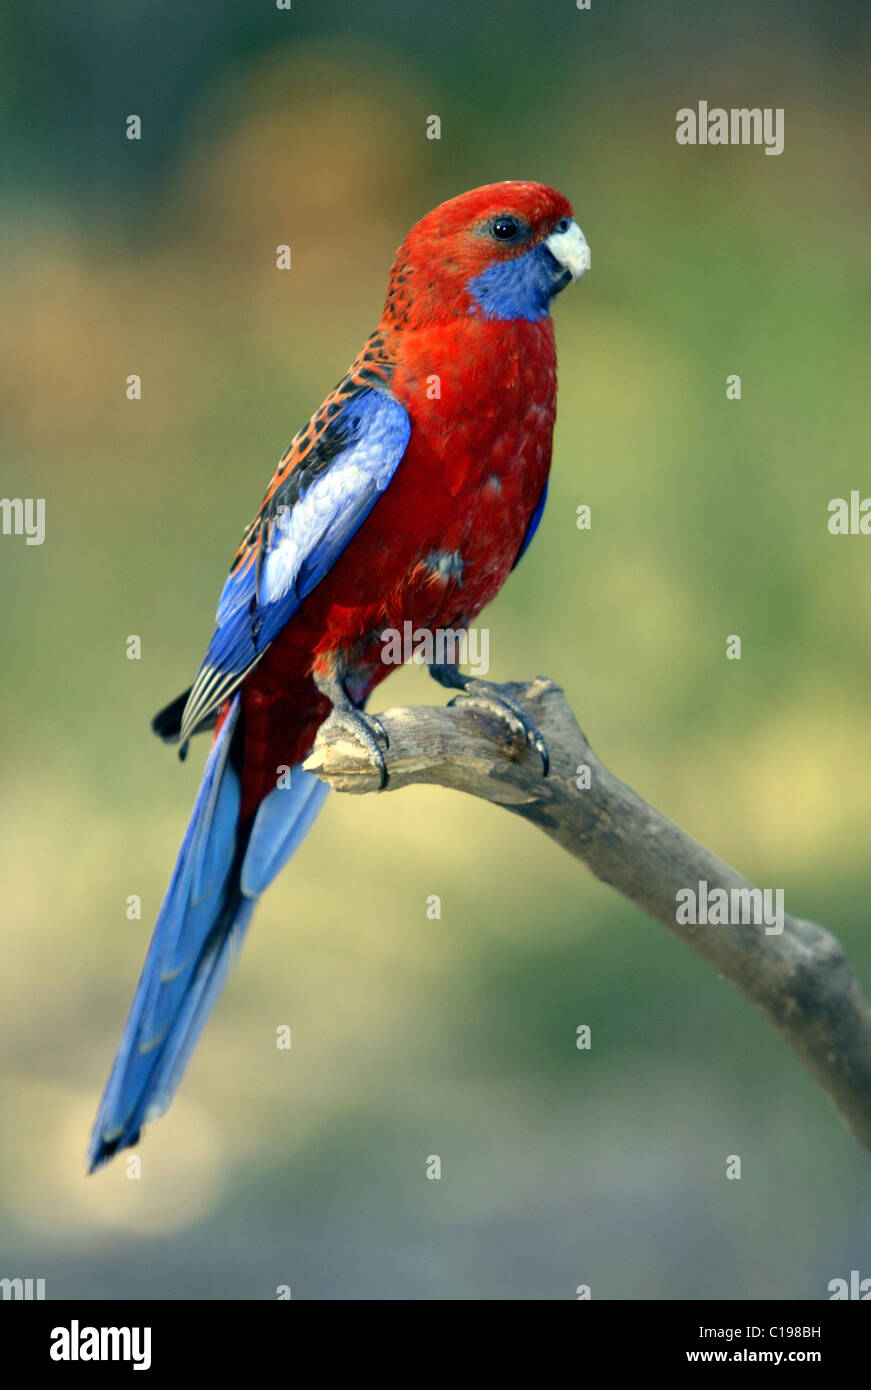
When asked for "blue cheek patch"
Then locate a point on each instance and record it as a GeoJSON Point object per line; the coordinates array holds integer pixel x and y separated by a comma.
{"type": "Point", "coordinates": [518, 289]}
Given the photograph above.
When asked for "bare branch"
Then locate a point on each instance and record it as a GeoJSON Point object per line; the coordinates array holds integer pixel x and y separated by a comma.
{"type": "Point", "coordinates": [800, 980]}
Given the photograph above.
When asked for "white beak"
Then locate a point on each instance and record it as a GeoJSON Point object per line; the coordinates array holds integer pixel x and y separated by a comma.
{"type": "Point", "coordinates": [570, 249]}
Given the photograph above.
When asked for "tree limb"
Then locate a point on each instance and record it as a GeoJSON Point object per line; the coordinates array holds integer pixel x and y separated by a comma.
{"type": "Point", "coordinates": [800, 981]}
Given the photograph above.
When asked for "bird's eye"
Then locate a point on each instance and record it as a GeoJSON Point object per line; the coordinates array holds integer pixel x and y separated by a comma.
{"type": "Point", "coordinates": [506, 228]}
{"type": "Point", "coordinates": [563, 225]}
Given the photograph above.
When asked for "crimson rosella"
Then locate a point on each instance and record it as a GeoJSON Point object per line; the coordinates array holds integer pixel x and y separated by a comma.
{"type": "Point", "coordinates": [408, 497]}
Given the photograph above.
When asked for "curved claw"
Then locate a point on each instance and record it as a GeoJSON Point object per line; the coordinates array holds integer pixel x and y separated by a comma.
{"type": "Point", "coordinates": [489, 698]}
{"type": "Point", "coordinates": [377, 728]}
{"type": "Point", "coordinates": [365, 729]}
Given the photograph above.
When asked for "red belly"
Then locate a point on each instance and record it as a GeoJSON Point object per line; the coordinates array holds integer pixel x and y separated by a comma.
{"type": "Point", "coordinates": [435, 549]}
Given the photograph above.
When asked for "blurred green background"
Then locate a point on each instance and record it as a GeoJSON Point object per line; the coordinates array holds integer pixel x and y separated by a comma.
{"type": "Point", "coordinates": [455, 1037]}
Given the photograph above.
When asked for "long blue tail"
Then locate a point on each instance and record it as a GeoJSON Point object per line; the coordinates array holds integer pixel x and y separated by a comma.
{"type": "Point", "coordinates": [221, 871]}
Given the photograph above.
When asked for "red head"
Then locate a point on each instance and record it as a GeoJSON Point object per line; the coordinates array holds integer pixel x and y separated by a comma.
{"type": "Point", "coordinates": [498, 252]}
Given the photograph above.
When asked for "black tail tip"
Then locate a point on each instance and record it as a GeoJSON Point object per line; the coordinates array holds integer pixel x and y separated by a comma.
{"type": "Point", "coordinates": [102, 1151]}
{"type": "Point", "coordinates": [167, 722]}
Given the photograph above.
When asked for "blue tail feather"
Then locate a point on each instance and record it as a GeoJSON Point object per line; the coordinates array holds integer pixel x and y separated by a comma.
{"type": "Point", "coordinates": [221, 870]}
{"type": "Point", "coordinates": [282, 820]}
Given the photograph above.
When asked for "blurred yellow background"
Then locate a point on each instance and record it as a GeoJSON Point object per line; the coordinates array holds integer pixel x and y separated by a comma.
{"type": "Point", "coordinates": [455, 1037]}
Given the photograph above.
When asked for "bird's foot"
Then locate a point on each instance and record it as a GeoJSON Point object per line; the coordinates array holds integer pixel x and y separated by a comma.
{"type": "Point", "coordinates": [365, 729]}
{"type": "Point", "coordinates": [491, 699]}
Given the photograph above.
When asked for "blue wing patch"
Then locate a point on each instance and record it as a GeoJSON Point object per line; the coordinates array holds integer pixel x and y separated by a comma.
{"type": "Point", "coordinates": [532, 527]}
{"type": "Point", "coordinates": [305, 526]}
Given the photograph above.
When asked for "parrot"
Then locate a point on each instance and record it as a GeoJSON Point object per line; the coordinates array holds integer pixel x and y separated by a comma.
{"type": "Point", "coordinates": [409, 496]}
